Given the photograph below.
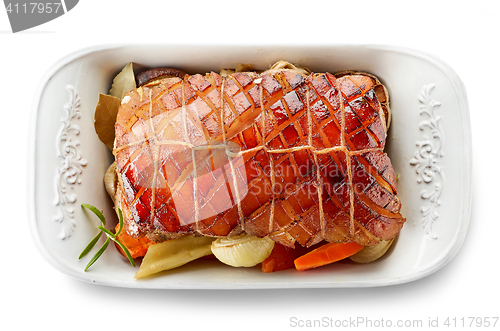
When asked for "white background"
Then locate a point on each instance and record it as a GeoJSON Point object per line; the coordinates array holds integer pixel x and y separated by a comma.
{"type": "Point", "coordinates": [34, 294]}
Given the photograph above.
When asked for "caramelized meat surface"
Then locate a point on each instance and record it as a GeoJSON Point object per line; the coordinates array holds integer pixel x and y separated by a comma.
{"type": "Point", "coordinates": [298, 158]}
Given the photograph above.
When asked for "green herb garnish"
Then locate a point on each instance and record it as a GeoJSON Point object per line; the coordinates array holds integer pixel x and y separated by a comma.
{"type": "Point", "coordinates": [111, 235]}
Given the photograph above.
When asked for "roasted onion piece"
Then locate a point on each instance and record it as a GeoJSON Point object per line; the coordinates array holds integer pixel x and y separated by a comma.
{"type": "Point", "coordinates": [371, 253]}
{"type": "Point", "coordinates": [242, 250]}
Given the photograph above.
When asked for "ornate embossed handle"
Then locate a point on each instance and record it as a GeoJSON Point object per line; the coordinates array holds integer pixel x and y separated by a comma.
{"type": "Point", "coordinates": [426, 159]}
{"type": "Point", "coordinates": [71, 166]}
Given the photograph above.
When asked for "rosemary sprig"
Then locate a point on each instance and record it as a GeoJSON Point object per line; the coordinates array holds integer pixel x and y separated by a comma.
{"type": "Point", "coordinates": [108, 233]}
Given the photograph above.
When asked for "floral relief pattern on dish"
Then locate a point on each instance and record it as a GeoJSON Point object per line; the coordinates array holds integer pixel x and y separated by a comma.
{"type": "Point", "coordinates": [426, 159]}
{"type": "Point", "coordinates": [72, 164]}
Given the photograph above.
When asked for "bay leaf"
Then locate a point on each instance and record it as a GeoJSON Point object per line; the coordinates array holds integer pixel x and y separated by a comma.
{"type": "Point", "coordinates": [123, 82]}
{"type": "Point", "coordinates": [105, 118]}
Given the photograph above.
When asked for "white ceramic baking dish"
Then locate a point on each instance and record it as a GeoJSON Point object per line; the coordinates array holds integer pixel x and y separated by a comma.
{"type": "Point", "coordinates": [429, 144]}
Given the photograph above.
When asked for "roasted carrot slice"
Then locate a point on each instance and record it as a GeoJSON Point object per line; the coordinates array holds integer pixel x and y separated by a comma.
{"type": "Point", "coordinates": [282, 257]}
{"type": "Point", "coordinates": [326, 254]}
{"type": "Point", "coordinates": [136, 246]}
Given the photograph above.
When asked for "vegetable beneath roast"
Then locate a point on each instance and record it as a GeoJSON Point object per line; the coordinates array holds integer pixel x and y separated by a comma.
{"type": "Point", "coordinates": [287, 155]}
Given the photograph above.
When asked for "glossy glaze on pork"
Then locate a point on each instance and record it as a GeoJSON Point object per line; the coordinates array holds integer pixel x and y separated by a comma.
{"type": "Point", "coordinates": [296, 157]}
